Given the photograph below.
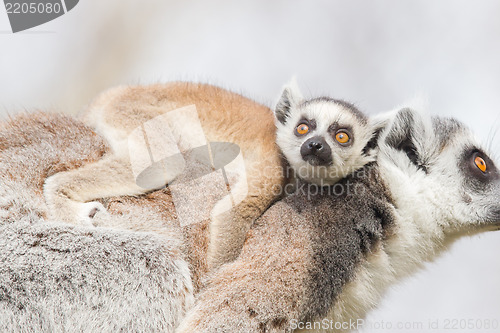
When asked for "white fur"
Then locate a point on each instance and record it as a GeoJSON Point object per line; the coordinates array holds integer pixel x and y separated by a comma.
{"type": "Point", "coordinates": [325, 113]}
{"type": "Point", "coordinates": [431, 214]}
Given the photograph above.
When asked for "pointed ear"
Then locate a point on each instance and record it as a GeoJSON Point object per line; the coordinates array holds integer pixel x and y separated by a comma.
{"type": "Point", "coordinates": [410, 132]}
{"type": "Point", "coordinates": [290, 97]}
{"type": "Point", "coordinates": [377, 125]}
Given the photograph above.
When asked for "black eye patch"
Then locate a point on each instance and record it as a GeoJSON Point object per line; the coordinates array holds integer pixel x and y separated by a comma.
{"type": "Point", "coordinates": [333, 128]}
{"type": "Point", "coordinates": [311, 124]}
{"type": "Point", "coordinates": [479, 170]}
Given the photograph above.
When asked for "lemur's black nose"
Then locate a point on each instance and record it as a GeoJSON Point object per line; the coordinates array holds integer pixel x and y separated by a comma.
{"type": "Point", "coordinates": [314, 145]}
{"type": "Point", "coordinates": [316, 151]}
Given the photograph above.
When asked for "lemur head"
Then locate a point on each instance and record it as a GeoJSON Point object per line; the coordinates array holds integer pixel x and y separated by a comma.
{"type": "Point", "coordinates": [323, 139]}
{"type": "Point", "coordinates": [440, 174]}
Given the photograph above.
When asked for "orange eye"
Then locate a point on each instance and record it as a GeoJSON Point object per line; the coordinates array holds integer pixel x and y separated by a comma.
{"type": "Point", "coordinates": [302, 129]}
{"type": "Point", "coordinates": [342, 137]}
{"type": "Point", "coordinates": [481, 164]}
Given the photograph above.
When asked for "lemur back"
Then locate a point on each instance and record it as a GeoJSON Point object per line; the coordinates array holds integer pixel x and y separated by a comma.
{"type": "Point", "coordinates": [224, 117]}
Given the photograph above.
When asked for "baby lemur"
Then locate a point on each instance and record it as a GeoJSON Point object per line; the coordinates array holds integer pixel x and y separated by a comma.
{"type": "Point", "coordinates": [322, 139]}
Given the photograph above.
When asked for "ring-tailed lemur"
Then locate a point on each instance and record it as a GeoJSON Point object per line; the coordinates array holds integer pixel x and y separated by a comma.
{"type": "Point", "coordinates": [323, 139]}
{"type": "Point", "coordinates": [327, 254]}
{"type": "Point", "coordinates": [322, 136]}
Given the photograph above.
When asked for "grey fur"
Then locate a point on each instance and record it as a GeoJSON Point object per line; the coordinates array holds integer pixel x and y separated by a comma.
{"type": "Point", "coordinates": [402, 137]}
{"type": "Point", "coordinates": [56, 277]}
{"type": "Point", "coordinates": [269, 285]}
{"type": "Point", "coordinates": [313, 256]}
{"type": "Point", "coordinates": [303, 260]}
{"type": "Point", "coordinates": [285, 103]}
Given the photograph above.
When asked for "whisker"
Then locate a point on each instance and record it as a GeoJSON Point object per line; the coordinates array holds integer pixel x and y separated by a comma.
{"type": "Point", "coordinates": [492, 134]}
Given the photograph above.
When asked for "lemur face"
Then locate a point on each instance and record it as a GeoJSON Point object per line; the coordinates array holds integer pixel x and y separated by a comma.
{"type": "Point", "coordinates": [443, 171]}
{"type": "Point", "coordinates": [322, 138]}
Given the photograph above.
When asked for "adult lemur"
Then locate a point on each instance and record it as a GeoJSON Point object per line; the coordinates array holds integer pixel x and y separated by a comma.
{"type": "Point", "coordinates": [318, 254]}
{"type": "Point", "coordinates": [323, 257]}
{"type": "Point", "coordinates": [322, 138]}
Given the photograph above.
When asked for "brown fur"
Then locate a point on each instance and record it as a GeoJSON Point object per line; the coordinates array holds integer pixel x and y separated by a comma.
{"type": "Point", "coordinates": [296, 259]}
{"type": "Point", "coordinates": [224, 116]}
{"type": "Point", "coordinates": [25, 140]}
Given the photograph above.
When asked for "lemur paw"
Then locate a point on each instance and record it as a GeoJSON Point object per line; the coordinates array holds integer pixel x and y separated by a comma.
{"type": "Point", "coordinates": [90, 212]}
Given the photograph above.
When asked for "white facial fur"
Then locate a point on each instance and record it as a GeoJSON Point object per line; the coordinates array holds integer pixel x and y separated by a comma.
{"type": "Point", "coordinates": [328, 117]}
{"type": "Point", "coordinates": [445, 190]}
{"type": "Point", "coordinates": [438, 196]}
{"type": "Point", "coordinates": [439, 192]}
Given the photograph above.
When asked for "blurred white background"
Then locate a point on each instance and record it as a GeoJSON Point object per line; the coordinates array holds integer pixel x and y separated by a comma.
{"type": "Point", "coordinates": [376, 54]}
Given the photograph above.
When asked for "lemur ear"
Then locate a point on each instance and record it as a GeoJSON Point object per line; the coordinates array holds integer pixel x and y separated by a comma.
{"type": "Point", "coordinates": [290, 97]}
{"type": "Point", "coordinates": [409, 131]}
{"type": "Point", "coordinates": [376, 124]}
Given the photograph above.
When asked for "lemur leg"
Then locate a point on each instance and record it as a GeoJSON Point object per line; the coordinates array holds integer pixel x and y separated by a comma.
{"type": "Point", "coordinates": [264, 288]}
{"type": "Point", "coordinates": [229, 227]}
{"type": "Point", "coordinates": [67, 193]}
{"type": "Point", "coordinates": [146, 159]}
